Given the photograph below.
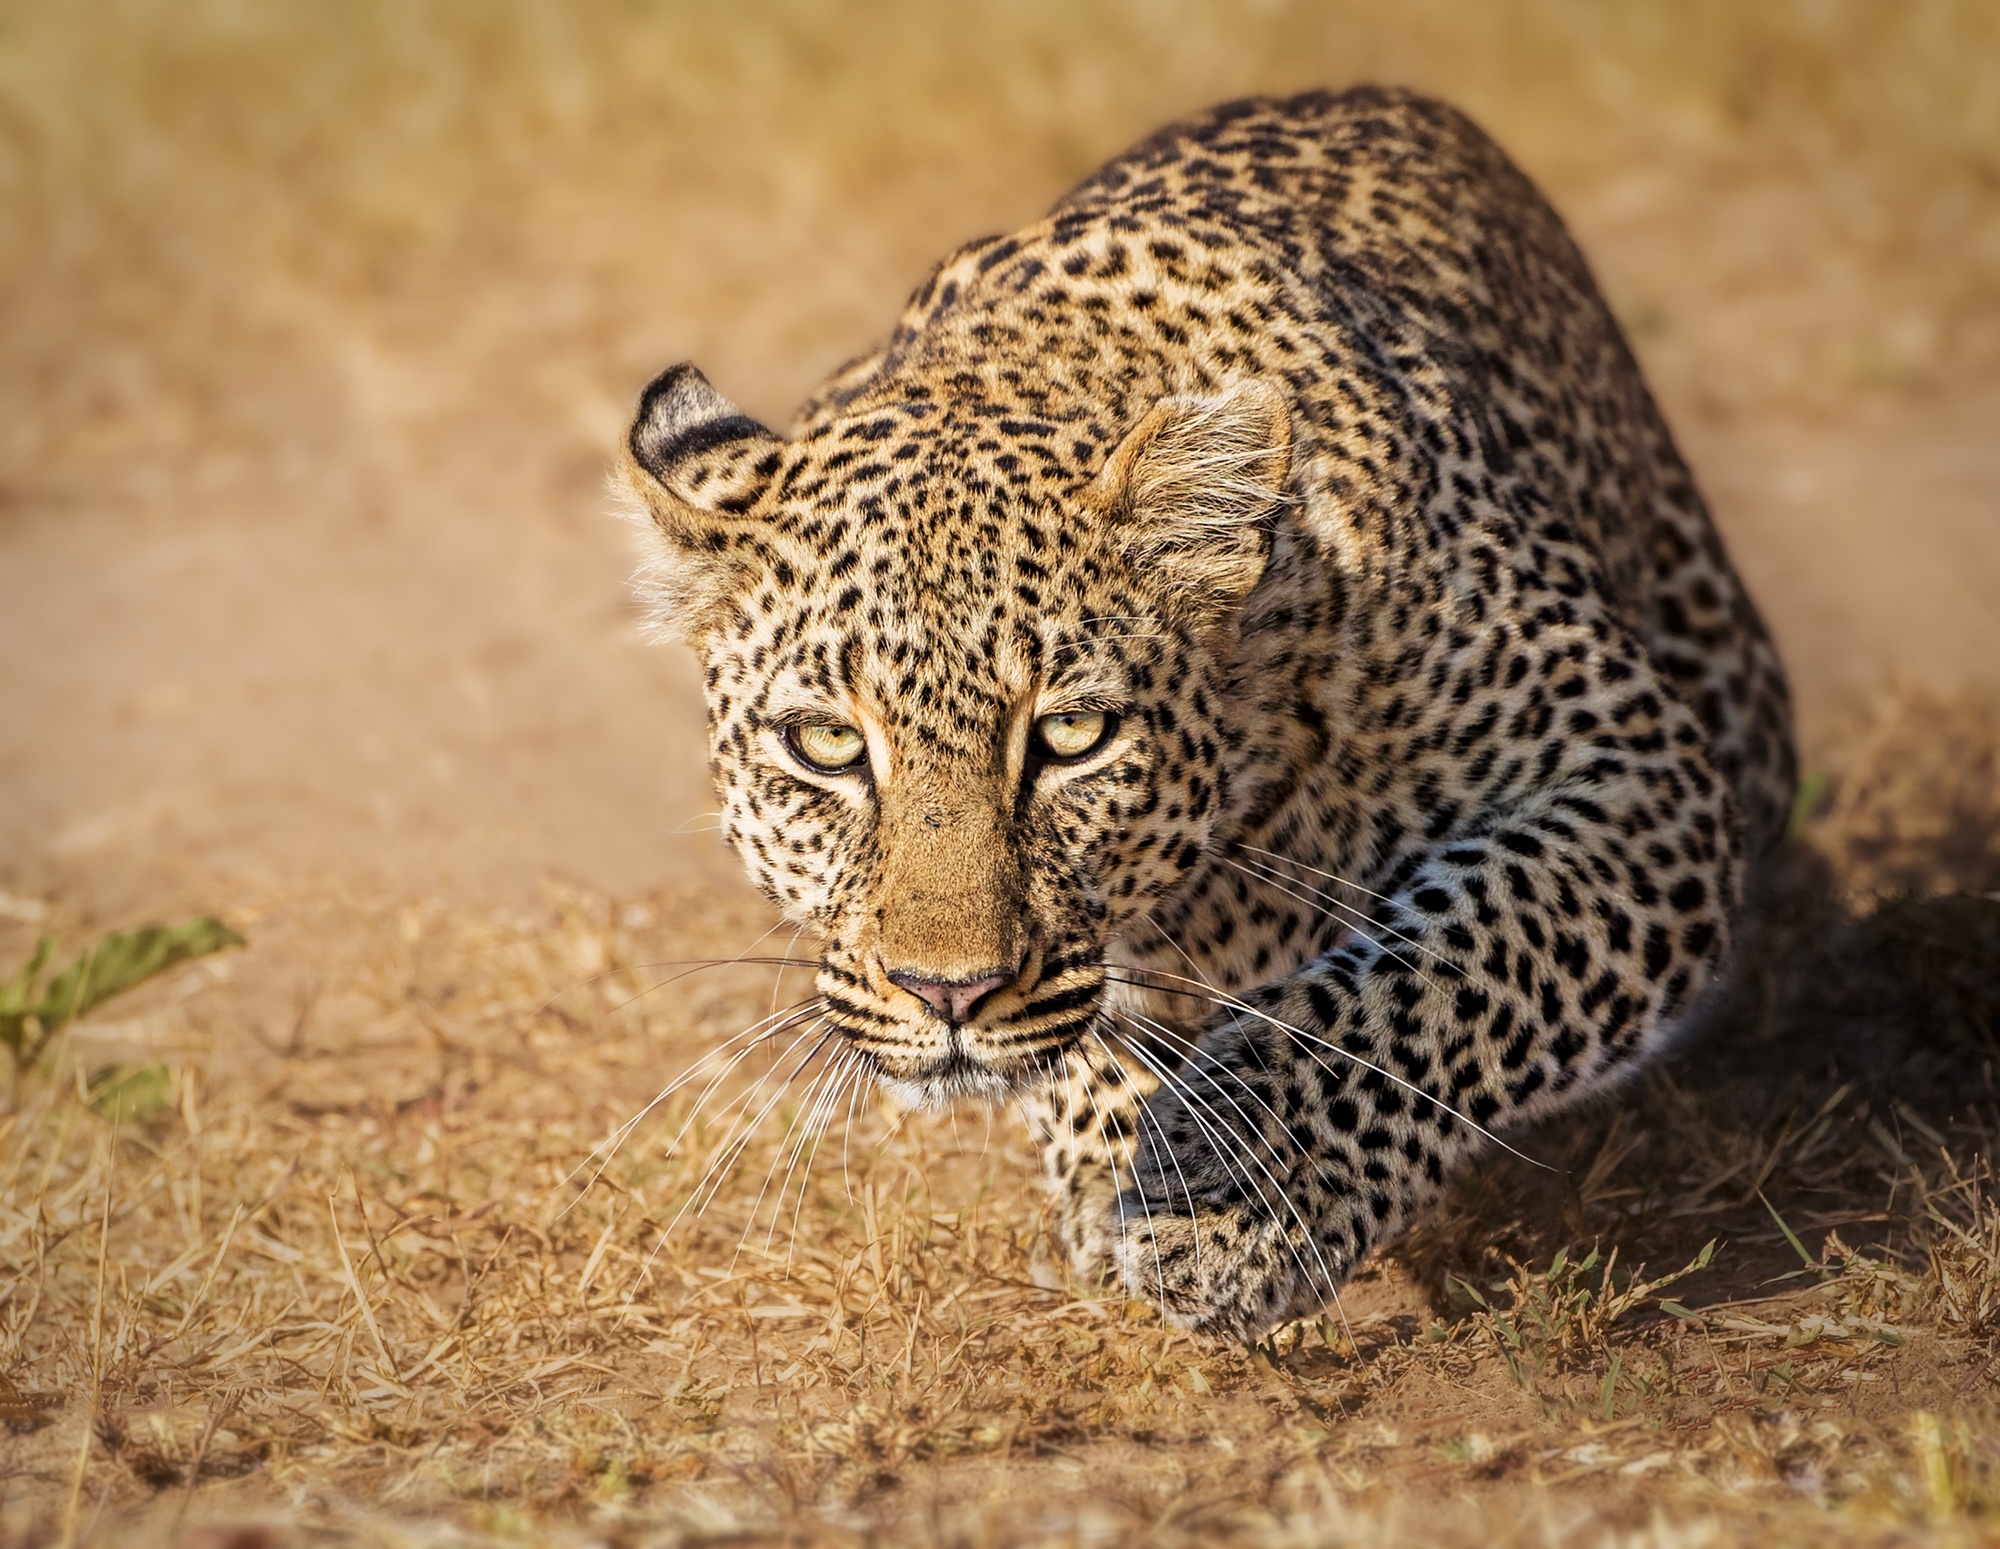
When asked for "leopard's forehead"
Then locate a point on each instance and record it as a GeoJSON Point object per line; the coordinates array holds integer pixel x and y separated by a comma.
{"type": "Point", "coordinates": [944, 491]}
{"type": "Point", "coordinates": [913, 546]}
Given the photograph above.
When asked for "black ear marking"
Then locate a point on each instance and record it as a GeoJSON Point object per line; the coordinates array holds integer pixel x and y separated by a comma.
{"type": "Point", "coordinates": [680, 416]}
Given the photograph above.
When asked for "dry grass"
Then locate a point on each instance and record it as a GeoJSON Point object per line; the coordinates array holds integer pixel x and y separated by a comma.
{"type": "Point", "coordinates": [350, 1280]}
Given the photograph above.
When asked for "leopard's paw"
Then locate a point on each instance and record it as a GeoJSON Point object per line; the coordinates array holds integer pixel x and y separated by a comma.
{"type": "Point", "coordinates": [1084, 1227]}
{"type": "Point", "coordinates": [1221, 1272]}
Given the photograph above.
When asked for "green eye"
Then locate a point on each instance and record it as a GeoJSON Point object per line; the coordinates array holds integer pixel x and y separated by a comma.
{"type": "Point", "coordinates": [827, 746]}
{"type": "Point", "coordinates": [1073, 733]}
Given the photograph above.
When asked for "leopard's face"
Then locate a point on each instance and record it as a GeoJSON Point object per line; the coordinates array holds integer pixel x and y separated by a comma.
{"type": "Point", "coordinates": [966, 728]}
{"type": "Point", "coordinates": [966, 795]}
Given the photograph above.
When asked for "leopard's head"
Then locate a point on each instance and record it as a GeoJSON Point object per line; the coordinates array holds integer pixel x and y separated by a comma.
{"type": "Point", "coordinates": [969, 687]}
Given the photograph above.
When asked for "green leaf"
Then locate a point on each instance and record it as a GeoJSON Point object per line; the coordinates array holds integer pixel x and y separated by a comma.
{"type": "Point", "coordinates": [1790, 1236]}
{"type": "Point", "coordinates": [125, 1092]}
{"type": "Point", "coordinates": [125, 959]}
{"type": "Point", "coordinates": [1676, 1310]}
{"type": "Point", "coordinates": [15, 1005]}
{"type": "Point", "coordinates": [14, 992]}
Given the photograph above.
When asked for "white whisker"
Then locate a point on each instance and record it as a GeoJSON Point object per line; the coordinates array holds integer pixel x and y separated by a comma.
{"type": "Point", "coordinates": [1118, 1195]}
{"type": "Point", "coordinates": [1233, 1003]}
{"type": "Point", "coordinates": [790, 1143]}
{"type": "Point", "coordinates": [1195, 1106]}
{"type": "Point", "coordinates": [756, 1033]}
{"type": "Point", "coordinates": [850, 1068]}
{"type": "Point", "coordinates": [724, 1157]}
{"type": "Point", "coordinates": [1347, 917]}
{"type": "Point", "coordinates": [1341, 881]}
{"type": "Point", "coordinates": [1196, 1053]}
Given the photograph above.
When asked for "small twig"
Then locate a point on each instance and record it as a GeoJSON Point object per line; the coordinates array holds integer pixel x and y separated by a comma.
{"type": "Point", "coordinates": [96, 1360]}
{"type": "Point", "coordinates": [216, 1418]}
{"type": "Point", "coordinates": [201, 1293]}
{"type": "Point", "coordinates": [368, 1226]}
{"type": "Point", "coordinates": [354, 1283]}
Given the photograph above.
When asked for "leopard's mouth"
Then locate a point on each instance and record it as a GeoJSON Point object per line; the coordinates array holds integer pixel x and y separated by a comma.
{"type": "Point", "coordinates": [1014, 1044]}
{"type": "Point", "coordinates": [959, 1064]}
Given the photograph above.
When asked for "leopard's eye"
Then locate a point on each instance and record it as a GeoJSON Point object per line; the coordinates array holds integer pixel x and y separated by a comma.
{"type": "Point", "coordinates": [1071, 734]}
{"type": "Point", "coordinates": [827, 746]}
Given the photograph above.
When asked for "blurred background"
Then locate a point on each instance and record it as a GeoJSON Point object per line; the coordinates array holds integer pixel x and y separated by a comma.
{"type": "Point", "coordinates": [322, 318]}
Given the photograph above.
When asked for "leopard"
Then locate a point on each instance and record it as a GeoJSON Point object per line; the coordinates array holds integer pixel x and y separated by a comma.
{"type": "Point", "coordinates": [1242, 675]}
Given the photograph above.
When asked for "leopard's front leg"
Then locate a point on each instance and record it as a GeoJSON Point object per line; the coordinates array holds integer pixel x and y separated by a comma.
{"type": "Point", "coordinates": [1516, 969]}
{"type": "Point", "coordinates": [1083, 1123]}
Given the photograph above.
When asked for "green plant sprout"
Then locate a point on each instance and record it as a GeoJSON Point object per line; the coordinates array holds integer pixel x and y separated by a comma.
{"type": "Point", "coordinates": [29, 1018]}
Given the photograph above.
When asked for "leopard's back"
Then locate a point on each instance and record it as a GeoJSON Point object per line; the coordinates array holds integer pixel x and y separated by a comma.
{"type": "Point", "coordinates": [1465, 314]}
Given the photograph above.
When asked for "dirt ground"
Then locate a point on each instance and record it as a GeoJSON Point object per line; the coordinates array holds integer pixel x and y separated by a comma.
{"type": "Point", "coordinates": [321, 323]}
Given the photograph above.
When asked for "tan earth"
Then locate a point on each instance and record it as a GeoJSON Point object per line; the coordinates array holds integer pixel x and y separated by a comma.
{"type": "Point", "coordinates": [313, 615]}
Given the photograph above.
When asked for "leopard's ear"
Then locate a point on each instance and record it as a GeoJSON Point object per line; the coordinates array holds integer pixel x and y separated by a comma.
{"type": "Point", "coordinates": [696, 464]}
{"type": "Point", "coordinates": [1192, 488]}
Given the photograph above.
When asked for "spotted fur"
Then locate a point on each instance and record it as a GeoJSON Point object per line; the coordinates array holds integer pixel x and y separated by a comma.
{"type": "Point", "coordinates": [1298, 444]}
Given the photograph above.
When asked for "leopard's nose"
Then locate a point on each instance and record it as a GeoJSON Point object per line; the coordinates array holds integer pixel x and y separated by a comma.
{"type": "Point", "coordinates": [952, 999]}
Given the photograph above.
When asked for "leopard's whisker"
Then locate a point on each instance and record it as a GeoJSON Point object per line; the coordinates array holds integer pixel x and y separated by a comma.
{"type": "Point", "coordinates": [1341, 881]}
{"type": "Point", "coordinates": [779, 982]}
{"type": "Point", "coordinates": [790, 1018]}
{"type": "Point", "coordinates": [687, 965]}
{"type": "Point", "coordinates": [1187, 1190]}
{"type": "Point", "coordinates": [736, 1105]}
{"type": "Point", "coordinates": [724, 1157]}
{"type": "Point", "coordinates": [1315, 1057]}
{"type": "Point", "coordinates": [849, 1068]}
{"type": "Point", "coordinates": [1193, 968]}
{"type": "Point", "coordinates": [789, 1146]}
{"type": "Point", "coordinates": [1346, 916]}
{"type": "Point", "coordinates": [860, 1084]}
{"type": "Point", "coordinates": [731, 1113]}
{"type": "Point", "coordinates": [1163, 1142]}
{"type": "Point", "coordinates": [1227, 1002]}
{"type": "Point", "coordinates": [1117, 1183]}
{"type": "Point", "coordinates": [1168, 937]}
{"type": "Point", "coordinates": [1145, 1206]}
{"type": "Point", "coordinates": [1243, 1007]}
{"type": "Point", "coordinates": [1193, 1057]}
{"type": "Point", "coordinates": [1195, 1105]}
{"type": "Point", "coordinates": [1318, 871]}
{"type": "Point", "coordinates": [1318, 899]}
{"type": "Point", "coordinates": [757, 1034]}
{"type": "Point", "coordinates": [1291, 1248]}
{"type": "Point", "coordinates": [812, 1126]}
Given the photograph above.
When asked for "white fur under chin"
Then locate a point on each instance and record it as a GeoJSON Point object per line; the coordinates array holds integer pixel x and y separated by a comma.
{"type": "Point", "coordinates": [962, 1084]}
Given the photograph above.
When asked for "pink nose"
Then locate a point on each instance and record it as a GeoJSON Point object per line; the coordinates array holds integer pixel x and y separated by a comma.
{"type": "Point", "coordinates": [952, 999]}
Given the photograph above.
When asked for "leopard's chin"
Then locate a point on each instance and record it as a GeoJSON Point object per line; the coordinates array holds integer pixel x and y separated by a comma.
{"type": "Point", "coordinates": [959, 1076]}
